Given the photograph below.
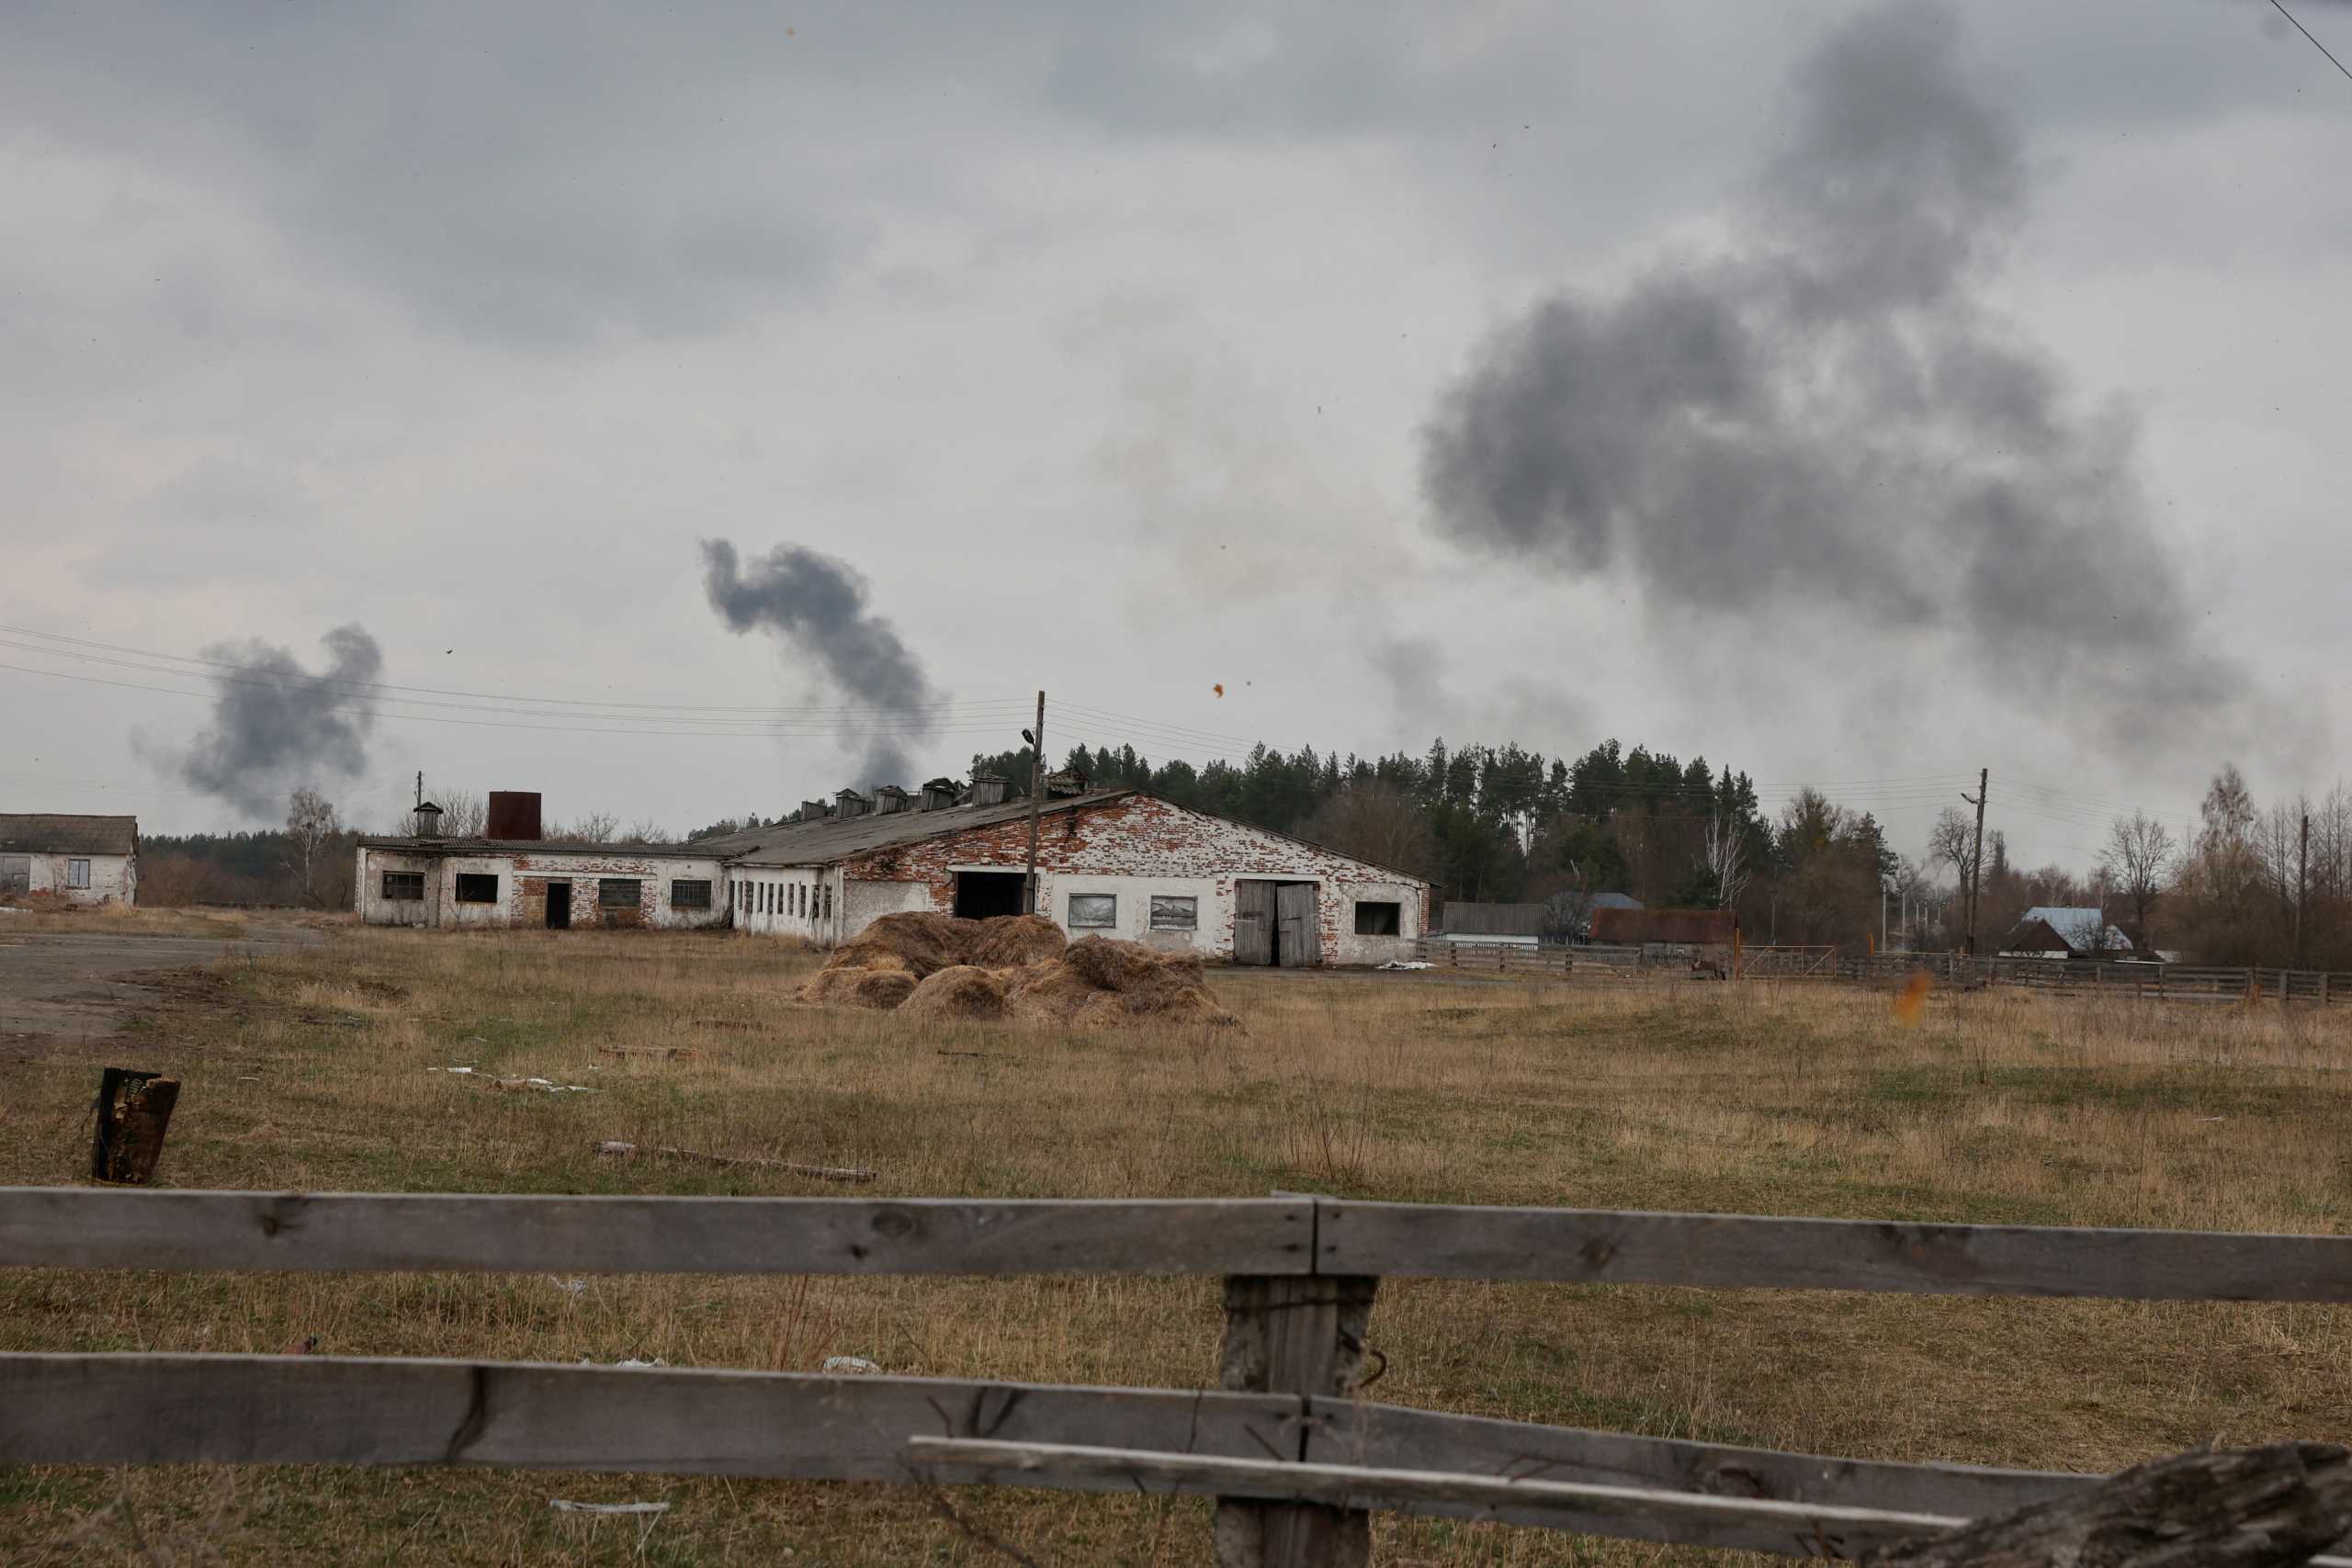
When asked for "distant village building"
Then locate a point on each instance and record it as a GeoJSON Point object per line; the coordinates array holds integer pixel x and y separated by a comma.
{"type": "Point", "coordinates": [75, 860]}
{"type": "Point", "coordinates": [2060, 932]}
{"type": "Point", "coordinates": [1514, 925]}
{"type": "Point", "coordinates": [1115, 863]}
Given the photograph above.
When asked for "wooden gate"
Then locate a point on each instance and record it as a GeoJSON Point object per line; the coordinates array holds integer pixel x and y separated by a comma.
{"type": "Point", "coordinates": [1253, 922]}
{"type": "Point", "coordinates": [1302, 934]}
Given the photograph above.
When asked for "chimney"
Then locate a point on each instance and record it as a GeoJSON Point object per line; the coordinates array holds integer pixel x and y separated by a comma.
{"type": "Point", "coordinates": [986, 790]}
{"type": "Point", "coordinates": [939, 794]}
{"type": "Point", "coordinates": [889, 798]}
{"type": "Point", "coordinates": [849, 802]}
{"type": "Point", "coordinates": [813, 811]}
{"type": "Point", "coordinates": [514, 815]}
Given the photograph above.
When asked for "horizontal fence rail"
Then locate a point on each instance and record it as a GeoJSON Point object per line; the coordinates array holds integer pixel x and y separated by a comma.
{"type": "Point", "coordinates": [109, 1228]}
{"type": "Point", "coordinates": [219, 1409]}
{"type": "Point", "coordinates": [1288, 1428]}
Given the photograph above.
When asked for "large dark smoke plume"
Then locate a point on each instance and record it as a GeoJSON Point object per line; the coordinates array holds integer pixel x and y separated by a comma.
{"type": "Point", "coordinates": [1828, 417]}
{"type": "Point", "coordinates": [816, 604]}
{"type": "Point", "coordinates": [276, 726]}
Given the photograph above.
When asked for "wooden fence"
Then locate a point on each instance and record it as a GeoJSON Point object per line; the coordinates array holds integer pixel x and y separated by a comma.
{"type": "Point", "coordinates": [1288, 1444]}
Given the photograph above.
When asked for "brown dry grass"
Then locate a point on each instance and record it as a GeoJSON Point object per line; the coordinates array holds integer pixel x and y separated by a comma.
{"type": "Point", "coordinates": [2000, 1107]}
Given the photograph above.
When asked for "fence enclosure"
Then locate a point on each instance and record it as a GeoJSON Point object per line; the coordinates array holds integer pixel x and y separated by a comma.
{"type": "Point", "coordinates": [1287, 1443]}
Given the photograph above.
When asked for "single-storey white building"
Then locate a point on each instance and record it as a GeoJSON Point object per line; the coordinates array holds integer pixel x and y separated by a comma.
{"type": "Point", "coordinates": [1116, 863]}
{"type": "Point", "coordinates": [79, 859]}
{"type": "Point", "coordinates": [495, 882]}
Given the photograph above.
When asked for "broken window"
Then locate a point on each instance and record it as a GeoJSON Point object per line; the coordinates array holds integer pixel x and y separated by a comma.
{"type": "Point", "coordinates": [619, 892]}
{"type": "Point", "coordinates": [15, 875]}
{"type": "Point", "coordinates": [1174, 914]}
{"type": "Point", "coordinates": [1379, 917]}
{"type": "Point", "coordinates": [687, 894]}
{"type": "Point", "coordinates": [1095, 910]}
{"type": "Point", "coordinates": [404, 887]}
{"type": "Point", "coordinates": [77, 873]}
{"type": "Point", "coordinates": [477, 887]}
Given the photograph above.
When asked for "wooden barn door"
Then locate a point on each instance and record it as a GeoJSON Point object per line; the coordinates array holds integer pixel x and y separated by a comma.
{"type": "Point", "coordinates": [1253, 922]}
{"type": "Point", "coordinates": [1302, 934]}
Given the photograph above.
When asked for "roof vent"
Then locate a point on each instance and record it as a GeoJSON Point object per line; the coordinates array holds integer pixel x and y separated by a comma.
{"type": "Point", "coordinates": [849, 802]}
{"type": "Point", "coordinates": [938, 794]}
{"type": "Point", "coordinates": [428, 819]}
{"type": "Point", "coordinates": [986, 790]}
{"type": "Point", "coordinates": [889, 798]}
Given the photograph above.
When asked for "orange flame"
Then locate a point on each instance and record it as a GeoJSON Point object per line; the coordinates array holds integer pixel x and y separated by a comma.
{"type": "Point", "coordinates": [1911, 1001]}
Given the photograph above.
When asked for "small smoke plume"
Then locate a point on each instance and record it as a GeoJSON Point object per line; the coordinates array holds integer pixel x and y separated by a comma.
{"type": "Point", "coordinates": [816, 604]}
{"type": "Point", "coordinates": [1827, 417]}
{"type": "Point", "coordinates": [275, 726]}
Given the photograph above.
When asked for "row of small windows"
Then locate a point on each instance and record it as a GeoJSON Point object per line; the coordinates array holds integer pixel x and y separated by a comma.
{"type": "Point", "coordinates": [796, 899]}
{"type": "Point", "coordinates": [1100, 912]}
{"type": "Point", "coordinates": [612, 892]}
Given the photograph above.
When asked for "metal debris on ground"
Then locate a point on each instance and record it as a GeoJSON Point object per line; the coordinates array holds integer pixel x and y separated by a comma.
{"type": "Point", "coordinates": [852, 1366]}
{"type": "Point", "coordinates": [566, 1505]}
{"type": "Point", "coordinates": [545, 1086]}
{"type": "Point", "coordinates": [616, 1148]}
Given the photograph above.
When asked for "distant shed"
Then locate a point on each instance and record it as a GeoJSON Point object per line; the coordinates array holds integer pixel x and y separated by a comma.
{"type": "Point", "coordinates": [72, 859]}
{"type": "Point", "coordinates": [1674, 933]}
{"type": "Point", "coordinates": [1519, 925]}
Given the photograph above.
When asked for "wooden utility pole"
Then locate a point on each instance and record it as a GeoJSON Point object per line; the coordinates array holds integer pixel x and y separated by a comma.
{"type": "Point", "coordinates": [1976, 858]}
{"type": "Point", "coordinates": [1037, 791]}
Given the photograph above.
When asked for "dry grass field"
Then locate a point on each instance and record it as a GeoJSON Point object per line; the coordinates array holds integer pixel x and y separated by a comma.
{"type": "Point", "coordinates": [311, 1070]}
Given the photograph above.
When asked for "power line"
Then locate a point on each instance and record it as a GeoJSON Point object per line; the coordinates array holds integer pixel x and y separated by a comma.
{"type": "Point", "coordinates": [2315, 43]}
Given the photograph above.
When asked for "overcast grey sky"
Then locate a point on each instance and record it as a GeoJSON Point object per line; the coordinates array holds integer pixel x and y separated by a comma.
{"type": "Point", "coordinates": [1126, 352]}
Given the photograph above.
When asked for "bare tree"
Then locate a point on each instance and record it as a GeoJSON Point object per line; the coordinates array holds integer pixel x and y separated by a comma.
{"type": "Point", "coordinates": [596, 828]}
{"type": "Point", "coordinates": [464, 815]}
{"type": "Point", "coordinates": [2139, 855]}
{"type": "Point", "coordinates": [1953, 842]}
{"type": "Point", "coordinates": [1723, 850]}
{"type": "Point", "coordinates": [1378, 822]}
{"type": "Point", "coordinates": [311, 823]}
{"type": "Point", "coordinates": [646, 830]}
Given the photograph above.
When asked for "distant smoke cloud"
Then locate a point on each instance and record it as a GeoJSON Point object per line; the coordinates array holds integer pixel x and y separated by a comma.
{"type": "Point", "coordinates": [1828, 417]}
{"type": "Point", "coordinates": [816, 604]}
{"type": "Point", "coordinates": [275, 726]}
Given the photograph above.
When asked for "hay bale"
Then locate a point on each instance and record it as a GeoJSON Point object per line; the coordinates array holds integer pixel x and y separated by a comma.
{"type": "Point", "coordinates": [1049, 992]}
{"type": "Point", "coordinates": [1011, 942]}
{"type": "Point", "coordinates": [922, 942]}
{"type": "Point", "coordinates": [961, 990]}
{"type": "Point", "coordinates": [879, 989]}
{"type": "Point", "coordinates": [1111, 966]}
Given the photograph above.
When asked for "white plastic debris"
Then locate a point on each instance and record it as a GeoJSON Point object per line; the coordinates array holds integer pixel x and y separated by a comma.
{"type": "Point", "coordinates": [566, 1505]}
{"type": "Point", "coordinates": [568, 1287]}
{"type": "Point", "coordinates": [852, 1366]}
{"type": "Point", "coordinates": [628, 1361]}
{"type": "Point", "coordinates": [1408, 963]}
{"type": "Point", "coordinates": [545, 1085]}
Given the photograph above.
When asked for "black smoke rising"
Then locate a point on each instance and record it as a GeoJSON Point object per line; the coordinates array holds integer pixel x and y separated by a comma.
{"type": "Point", "coordinates": [816, 604]}
{"type": "Point", "coordinates": [276, 726]}
{"type": "Point", "coordinates": [1827, 417]}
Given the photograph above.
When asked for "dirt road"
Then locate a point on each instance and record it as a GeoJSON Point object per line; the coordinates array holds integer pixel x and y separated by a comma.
{"type": "Point", "coordinates": [84, 986]}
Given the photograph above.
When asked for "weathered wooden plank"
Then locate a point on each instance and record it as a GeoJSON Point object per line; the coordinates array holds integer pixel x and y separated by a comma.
{"type": "Point", "coordinates": [1303, 1338]}
{"type": "Point", "coordinates": [2270, 1507]}
{"type": "Point", "coordinates": [1753, 1251]}
{"type": "Point", "coordinates": [153, 1409]}
{"type": "Point", "coordinates": [1393, 1436]}
{"type": "Point", "coordinates": [1796, 1529]}
{"type": "Point", "coordinates": [97, 1228]}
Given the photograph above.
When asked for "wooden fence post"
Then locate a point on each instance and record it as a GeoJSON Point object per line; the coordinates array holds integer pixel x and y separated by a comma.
{"type": "Point", "coordinates": [1304, 1335]}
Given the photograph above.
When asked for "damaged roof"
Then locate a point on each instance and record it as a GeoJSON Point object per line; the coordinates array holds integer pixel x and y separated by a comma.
{"type": "Point", "coordinates": [43, 833]}
{"type": "Point", "coordinates": [838, 838]}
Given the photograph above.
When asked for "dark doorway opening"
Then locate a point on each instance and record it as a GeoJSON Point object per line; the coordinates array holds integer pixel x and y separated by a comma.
{"type": "Point", "coordinates": [558, 906]}
{"type": "Point", "coordinates": [980, 895]}
{"type": "Point", "coordinates": [1275, 923]}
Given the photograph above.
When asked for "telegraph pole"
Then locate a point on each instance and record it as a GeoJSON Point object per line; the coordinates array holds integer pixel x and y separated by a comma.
{"type": "Point", "coordinates": [1036, 791]}
{"type": "Point", "coordinates": [1976, 859]}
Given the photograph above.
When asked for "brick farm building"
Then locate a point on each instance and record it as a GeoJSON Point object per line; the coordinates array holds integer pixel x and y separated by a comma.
{"type": "Point", "coordinates": [1116, 863]}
